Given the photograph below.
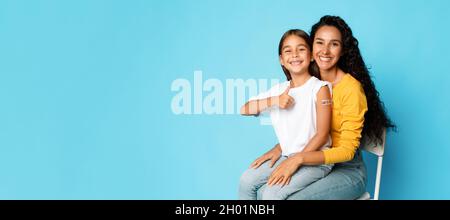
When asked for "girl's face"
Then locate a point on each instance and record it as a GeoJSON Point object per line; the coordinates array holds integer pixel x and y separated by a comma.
{"type": "Point", "coordinates": [295, 55]}
{"type": "Point", "coordinates": [327, 47]}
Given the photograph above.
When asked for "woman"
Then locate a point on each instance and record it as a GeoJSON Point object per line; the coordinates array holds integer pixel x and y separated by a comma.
{"type": "Point", "coordinates": [357, 112]}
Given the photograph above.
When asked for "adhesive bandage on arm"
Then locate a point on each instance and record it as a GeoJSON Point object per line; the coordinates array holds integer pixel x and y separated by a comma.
{"type": "Point", "coordinates": [326, 102]}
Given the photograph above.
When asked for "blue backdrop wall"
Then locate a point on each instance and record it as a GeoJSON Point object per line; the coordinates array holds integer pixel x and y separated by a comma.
{"type": "Point", "coordinates": [85, 91]}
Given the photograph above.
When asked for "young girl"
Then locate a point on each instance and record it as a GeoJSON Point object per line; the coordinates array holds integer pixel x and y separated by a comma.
{"type": "Point", "coordinates": [300, 110]}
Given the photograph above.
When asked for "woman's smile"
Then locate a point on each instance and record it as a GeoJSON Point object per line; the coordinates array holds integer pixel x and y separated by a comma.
{"type": "Point", "coordinates": [325, 58]}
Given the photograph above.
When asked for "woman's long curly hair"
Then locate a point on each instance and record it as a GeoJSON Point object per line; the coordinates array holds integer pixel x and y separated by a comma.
{"type": "Point", "coordinates": [351, 61]}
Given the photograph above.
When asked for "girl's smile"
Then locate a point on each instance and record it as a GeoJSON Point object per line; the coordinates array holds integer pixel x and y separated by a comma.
{"type": "Point", "coordinates": [296, 63]}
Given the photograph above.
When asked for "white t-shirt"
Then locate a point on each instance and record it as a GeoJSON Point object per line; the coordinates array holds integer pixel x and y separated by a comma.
{"type": "Point", "coordinates": [296, 125]}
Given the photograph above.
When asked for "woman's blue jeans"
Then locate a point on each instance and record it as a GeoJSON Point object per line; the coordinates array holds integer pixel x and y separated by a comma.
{"type": "Point", "coordinates": [252, 179]}
{"type": "Point", "coordinates": [346, 181]}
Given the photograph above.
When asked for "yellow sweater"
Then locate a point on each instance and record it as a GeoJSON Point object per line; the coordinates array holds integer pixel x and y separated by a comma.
{"type": "Point", "coordinates": [349, 107]}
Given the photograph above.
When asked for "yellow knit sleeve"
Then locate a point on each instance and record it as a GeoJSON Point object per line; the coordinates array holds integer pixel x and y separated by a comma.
{"type": "Point", "coordinates": [353, 107]}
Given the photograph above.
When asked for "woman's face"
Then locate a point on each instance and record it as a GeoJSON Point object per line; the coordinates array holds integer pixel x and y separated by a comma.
{"type": "Point", "coordinates": [295, 54]}
{"type": "Point", "coordinates": [327, 47]}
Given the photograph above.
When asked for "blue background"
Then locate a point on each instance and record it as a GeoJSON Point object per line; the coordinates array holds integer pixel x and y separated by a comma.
{"type": "Point", "coordinates": [85, 94]}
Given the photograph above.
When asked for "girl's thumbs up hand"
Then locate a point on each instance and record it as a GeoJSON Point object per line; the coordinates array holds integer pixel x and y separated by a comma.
{"type": "Point", "coordinates": [284, 100]}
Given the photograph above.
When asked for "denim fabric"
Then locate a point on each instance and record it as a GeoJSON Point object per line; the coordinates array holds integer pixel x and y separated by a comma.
{"type": "Point", "coordinates": [253, 179]}
{"type": "Point", "coordinates": [346, 181]}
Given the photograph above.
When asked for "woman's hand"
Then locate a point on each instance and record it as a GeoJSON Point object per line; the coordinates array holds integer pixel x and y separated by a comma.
{"type": "Point", "coordinates": [283, 173]}
{"type": "Point", "coordinates": [272, 155]}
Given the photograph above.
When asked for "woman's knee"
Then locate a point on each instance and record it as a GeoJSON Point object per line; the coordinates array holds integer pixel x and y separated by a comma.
{"type": "Point", "coordinates": [329, 188]}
